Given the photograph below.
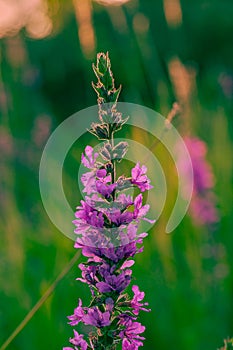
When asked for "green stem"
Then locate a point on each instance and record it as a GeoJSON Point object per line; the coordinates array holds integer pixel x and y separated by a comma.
{"type": "Point", "coordinates": [113, 174]}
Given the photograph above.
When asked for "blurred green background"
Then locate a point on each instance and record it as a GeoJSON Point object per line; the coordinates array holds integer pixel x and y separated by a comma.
{"type": "Point", "coordinates": [161, 51]}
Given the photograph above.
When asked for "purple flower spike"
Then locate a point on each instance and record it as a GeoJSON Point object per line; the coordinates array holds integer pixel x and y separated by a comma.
{"type": "Point", "coordinates": [107, 229]}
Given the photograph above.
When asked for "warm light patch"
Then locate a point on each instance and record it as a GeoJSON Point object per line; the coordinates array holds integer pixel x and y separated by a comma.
{"type": "Point", "coordinates": [31, 14]}
{"type": "Point", "coordinates": [10, 19]}
{"type": "Point", "coordinates": [183, 79]}
{"type": "Point", "coordinates": [118, 18]}
{"type": "Point", "coordinates": [141, 23]}
{"type": "Point", "coordinates": [173, 12]}
{"type": "Point", "coordinates": [112, 2]}
{"type": "Point", "coordinates": [83, 13]}
{"type": "Point", "coordinates": [39, 26]}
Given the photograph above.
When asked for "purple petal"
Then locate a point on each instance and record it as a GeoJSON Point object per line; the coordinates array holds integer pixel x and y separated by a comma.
{"type": "Point", "coordinates": [89, 151]}
{"type": "Point", "coordinates": [104, 287]}
{"type": "Point", "coordinates": [127, 263]}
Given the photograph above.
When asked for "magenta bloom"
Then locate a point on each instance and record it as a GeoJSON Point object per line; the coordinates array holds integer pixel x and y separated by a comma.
{"type": "Point", "coordinates": [141, 210]}
{"type": "Point", "coordinates": [139, 178]}
{"type": "Point", "coordinates": [88, 274]}
{"type": "Point", "coordinates": [114, 283]}
{"type": "Point", "coordinates": [132, 331]}
{"type": "Point", "coordinates": [88, 180]}
{"type": "Point", "coordinates": [135, 302]}
{"type": "Point", "coordinates": [96, 318]}
{"type": "Point", "coordinates": [77, 316]}
{"type": "Point", "coordinates": [86, 215]}
{"type": "Point", "coordinates": [126, 345]}
{"type": "Point", "coordinates": [103, 183]}
{"type": "Point", "coordinates": [78, 341]}
{"type": "Point", "coordinates": [89, 160]}
{"type": "Point", "coordinates": [119, 218]}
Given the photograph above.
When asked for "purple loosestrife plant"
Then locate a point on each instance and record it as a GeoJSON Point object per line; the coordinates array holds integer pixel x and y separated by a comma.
{"type": "Point", "coordinates": [107, 231]}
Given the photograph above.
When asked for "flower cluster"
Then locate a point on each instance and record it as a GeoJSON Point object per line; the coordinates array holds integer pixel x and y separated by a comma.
{"type": "Point", "coordinates": [106, 224]}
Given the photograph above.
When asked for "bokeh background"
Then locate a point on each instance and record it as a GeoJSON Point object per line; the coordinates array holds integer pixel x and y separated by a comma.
{"type": "Point", "coordinates": [161, 51]}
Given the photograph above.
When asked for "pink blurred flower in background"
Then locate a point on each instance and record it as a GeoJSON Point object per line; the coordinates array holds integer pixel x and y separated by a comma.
{"type": "Point", "coordinates": [226, 82]}
{"type": "Point", "coordinates": [203, 205]}
{"type": "Point", "coordinates": [41, 130]}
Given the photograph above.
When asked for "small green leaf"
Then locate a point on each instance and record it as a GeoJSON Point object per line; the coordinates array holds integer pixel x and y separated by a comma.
{"type": "Point", "coordinates": [119, 150]}
{"type": "Point", "coordinates": [114, 94]}
{"type": "Point", "coordinates": [100, 130]}
{"type": "Point", "coordinates": [106, 151]}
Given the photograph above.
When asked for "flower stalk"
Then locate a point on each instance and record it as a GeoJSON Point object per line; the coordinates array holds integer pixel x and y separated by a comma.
{"type": "Point", "coordinates": [107, 231]}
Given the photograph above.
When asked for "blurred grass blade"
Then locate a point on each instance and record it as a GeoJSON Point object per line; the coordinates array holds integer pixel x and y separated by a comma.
{"type": "Point", "coordinates": [41, 301]}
